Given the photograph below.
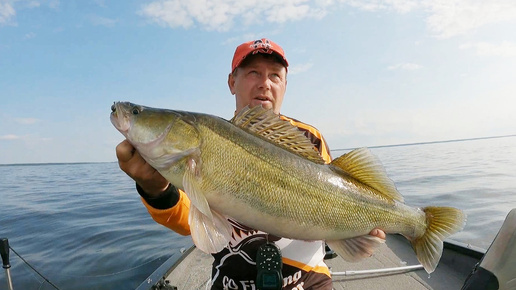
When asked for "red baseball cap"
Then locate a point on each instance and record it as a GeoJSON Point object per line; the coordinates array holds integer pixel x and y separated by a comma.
{"type": "Point", "coordinates": [263, 45]}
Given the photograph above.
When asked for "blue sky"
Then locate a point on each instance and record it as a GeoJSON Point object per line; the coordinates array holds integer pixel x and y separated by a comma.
{"type": "Point", "coordinates": [365, 73]}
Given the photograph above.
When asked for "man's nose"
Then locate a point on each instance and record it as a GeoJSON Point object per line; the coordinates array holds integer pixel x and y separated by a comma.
{"type": "Point", "coordinates": [265, 82]}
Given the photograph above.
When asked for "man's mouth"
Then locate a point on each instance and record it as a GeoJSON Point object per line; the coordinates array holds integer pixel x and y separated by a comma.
{"type": "Point", "coordinates": [263, 99]}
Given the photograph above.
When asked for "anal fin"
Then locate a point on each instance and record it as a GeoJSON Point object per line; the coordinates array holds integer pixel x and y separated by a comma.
{"type": "Point", "coordinates": [210, 230]}
{"type": "Point", "coordinates": [355, 249]}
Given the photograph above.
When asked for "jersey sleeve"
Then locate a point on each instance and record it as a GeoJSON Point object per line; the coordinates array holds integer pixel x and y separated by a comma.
{"type": "Point", "coordinates": [174, 218]}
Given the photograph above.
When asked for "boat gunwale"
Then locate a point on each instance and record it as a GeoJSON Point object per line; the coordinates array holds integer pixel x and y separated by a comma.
{"type": "Point", "coordinates": [173, 262]}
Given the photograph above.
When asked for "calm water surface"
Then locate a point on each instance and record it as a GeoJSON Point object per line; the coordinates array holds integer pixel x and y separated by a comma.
{"type": "Point", "coordinates": [83, 225]}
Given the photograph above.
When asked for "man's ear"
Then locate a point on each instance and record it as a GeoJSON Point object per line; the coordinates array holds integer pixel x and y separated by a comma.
{"type": "Point", "coordinates": [231, 83]}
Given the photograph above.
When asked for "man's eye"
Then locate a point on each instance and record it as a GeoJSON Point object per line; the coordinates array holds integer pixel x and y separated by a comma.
{"type": "Point", "coordinates": [275, 77]}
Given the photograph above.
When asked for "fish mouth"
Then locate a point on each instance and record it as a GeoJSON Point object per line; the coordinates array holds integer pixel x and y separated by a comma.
{"type": "Point", "coordinates": [120, 117]}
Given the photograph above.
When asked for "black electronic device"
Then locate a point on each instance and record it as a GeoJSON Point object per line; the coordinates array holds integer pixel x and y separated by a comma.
{"type": "Point", "coordinates": [269, 264]}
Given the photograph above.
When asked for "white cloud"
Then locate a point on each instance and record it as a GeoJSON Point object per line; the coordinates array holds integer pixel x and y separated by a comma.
{"type": "Point", "coordinates": [505, 49]}
{"type": "Point", "coordinates": [10, 137]}
{"type": "Point", "coordinates": [222, 14]}
{"type": "Point", "coordinates": [454, 17]}
{"type": "Point", "coordinates": [445, 18]}
{"type": "Point", "coordinates": [300, 68]}
{"type": "Point", "coordinates": [292, 11]}
{"type": "Point", "coordinates": [102, 21]}
{"type": "Point", "coordinates": [27, 121]}
{"type": "Point", "coordinates": [100, 3]}
{"type": "Point", "coordinates": [169, 13]}
{"type": "Point", "coordinates": [33, 139]}
{"type": "Point", "coordinates": [405, 66]}
{"type": "Point", "coordinates": [7, 12]}
{"type": "Point", "coordinates": [400, 6]}
{"type": "Point", "coordinates": [33, 4]}
{"type": "Point", "coordinates": [29, 35]}
{"type": "Point", "coordinates": [53, 4]}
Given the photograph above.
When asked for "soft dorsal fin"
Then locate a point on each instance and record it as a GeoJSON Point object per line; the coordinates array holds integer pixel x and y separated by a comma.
{"type": "Point", "coordinates": [268, 125]}
{"type": "Point", "coordinates": [366, 168]}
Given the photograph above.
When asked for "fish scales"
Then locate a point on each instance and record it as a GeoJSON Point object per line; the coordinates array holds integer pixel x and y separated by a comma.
{"type": "Point", "coordinates": [285, 181]}
{"type": "Point", "coordinates": [264, 173]}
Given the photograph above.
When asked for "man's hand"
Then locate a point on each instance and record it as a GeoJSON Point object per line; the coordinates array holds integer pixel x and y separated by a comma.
{"type": "Point", "coordinates": [132, 163]}
{"type": "Point", "coordinates": [378, 233]}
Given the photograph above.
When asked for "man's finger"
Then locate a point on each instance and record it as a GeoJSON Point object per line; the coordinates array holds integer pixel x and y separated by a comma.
{"type": "Point", "coordinates": [378, 233]}
{"type": "Point", "coordinates": [124, 151]}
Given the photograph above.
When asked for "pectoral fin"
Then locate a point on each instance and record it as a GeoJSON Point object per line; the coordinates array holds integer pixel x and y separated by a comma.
{"type": "Point", "coordinates": [192, 180]}
{"type": "Point", "coordinates": [355, 249]}
{"type": "Point", "coordinates": [210, 230]}
{"type": "Point", "coordinates": [210, 235]}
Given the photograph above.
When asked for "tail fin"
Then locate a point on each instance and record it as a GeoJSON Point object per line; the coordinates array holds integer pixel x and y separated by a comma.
{"type": "Point", "coordinates": [442, 222]}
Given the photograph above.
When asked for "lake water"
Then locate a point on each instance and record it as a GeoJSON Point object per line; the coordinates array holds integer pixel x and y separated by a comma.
{"type": "Point", "coordinates": [83, 226]}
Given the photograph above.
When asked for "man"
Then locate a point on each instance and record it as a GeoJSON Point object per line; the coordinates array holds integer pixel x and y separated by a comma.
{"type": "Point", "coordinates": [258, 77]}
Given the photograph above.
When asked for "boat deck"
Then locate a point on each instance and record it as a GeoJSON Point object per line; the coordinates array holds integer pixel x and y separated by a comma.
{"type": "Point", "coordinates": [194, 271]}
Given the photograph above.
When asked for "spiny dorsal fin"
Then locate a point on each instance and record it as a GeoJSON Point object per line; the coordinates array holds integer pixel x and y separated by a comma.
{"type": "Point", "coordinates": [267, 124]}
{"type": "Point", "coordinates": [366, 168]}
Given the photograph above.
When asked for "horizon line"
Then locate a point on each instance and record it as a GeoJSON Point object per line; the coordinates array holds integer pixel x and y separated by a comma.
{"type": "Point", "coordinates": [340, 149]}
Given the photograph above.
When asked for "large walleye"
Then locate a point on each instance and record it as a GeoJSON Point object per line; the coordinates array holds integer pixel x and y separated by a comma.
{"type": "Point", "coordinates": [263, 172]}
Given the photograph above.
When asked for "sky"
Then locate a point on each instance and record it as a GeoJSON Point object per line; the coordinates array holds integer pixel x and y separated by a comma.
{"type": "Point", "coordinates": [365, 73]}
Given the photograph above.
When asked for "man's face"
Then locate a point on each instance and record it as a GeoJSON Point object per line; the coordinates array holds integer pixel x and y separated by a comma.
{"type": "Point", "coordinates": [261, 81]}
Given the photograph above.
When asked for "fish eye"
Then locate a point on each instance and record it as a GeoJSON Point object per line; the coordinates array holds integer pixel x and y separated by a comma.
{"type": "Point", "coordinates": [136, 111]}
